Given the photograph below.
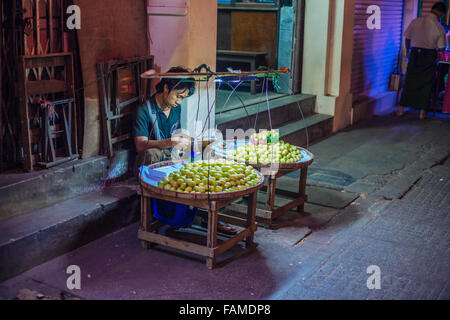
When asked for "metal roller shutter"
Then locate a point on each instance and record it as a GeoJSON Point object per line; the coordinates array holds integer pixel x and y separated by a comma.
{"type": "Point", "coordinates": [426, 5]}
{"type": "Point", "coordinates": [376, 51]}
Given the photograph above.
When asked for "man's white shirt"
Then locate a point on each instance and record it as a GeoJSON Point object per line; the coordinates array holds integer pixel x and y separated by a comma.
{"type": "Point", "coordinates": [426, 32]}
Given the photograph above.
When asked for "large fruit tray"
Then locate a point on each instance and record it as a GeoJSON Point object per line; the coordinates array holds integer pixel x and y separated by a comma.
{"type": "Point", "coordinates": [221, 149]}
{"type": "Point", "coordinates": [152, 185]}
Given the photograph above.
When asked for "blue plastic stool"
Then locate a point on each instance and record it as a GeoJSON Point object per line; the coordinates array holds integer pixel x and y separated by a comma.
{"type": "Point", "coordinates": [173, 214]}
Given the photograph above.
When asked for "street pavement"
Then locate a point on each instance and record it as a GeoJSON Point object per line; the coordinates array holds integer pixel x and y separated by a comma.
{"type": "Point", "coordinates": [379, 211]}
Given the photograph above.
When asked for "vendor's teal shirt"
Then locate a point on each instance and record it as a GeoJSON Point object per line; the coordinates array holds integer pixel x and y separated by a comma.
{"type": "Point", "coordinates": [167, 125]}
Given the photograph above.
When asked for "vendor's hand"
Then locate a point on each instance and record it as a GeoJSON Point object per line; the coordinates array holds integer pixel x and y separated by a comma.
{"type": "Point", "coordinates": [181, 141]}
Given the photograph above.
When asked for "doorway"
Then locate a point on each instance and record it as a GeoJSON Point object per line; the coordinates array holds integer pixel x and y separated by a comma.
{"type": "Point", "coordinates": [259, 34]}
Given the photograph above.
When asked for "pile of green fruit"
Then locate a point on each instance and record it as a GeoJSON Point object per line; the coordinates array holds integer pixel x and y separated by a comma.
{"type": "Point", "coordinates": [280, 152]}
{"type": "Point", "coordinates": [212, 176]}
{"type": "Point", "coordinates": [265, 137]}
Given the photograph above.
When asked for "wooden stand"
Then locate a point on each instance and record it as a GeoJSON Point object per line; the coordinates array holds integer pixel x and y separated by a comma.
{"type": "Point", "coordinates": [149, 226]}
{"type": "Point", "coordinates": [267, 215]}
{"type": "Point", "coordinates": [270, 213]}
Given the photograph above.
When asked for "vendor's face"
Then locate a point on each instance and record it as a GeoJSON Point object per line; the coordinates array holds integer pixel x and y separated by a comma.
{"type": "Point", "coordinates": [174, 97]}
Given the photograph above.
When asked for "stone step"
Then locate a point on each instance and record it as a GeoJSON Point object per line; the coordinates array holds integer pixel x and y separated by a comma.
{"type": "Point", "coordinates": [227, 101]}
{"type": "Point", "coordinates": [31, 239]}
{"type": "Point", "coordinates": [310, 130]}
{"type": "Point", "coordinates": [21, 193]}
{"type": "Point", "coordinates": [282, 110]}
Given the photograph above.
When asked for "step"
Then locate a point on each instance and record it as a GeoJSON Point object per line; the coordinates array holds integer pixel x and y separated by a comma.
{"type": "Point", "coordinates": [310, 130]}
{"type": "Point", "coordinates": [226, 102]}
{"type": "Point", "coordinates": [31, 239]}
{"type": "Point", "coordinates": [21, 193]}
{"type": "Point", "coordinates": [282, 110]}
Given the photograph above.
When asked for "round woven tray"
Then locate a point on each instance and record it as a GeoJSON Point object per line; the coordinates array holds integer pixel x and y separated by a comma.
{"type": "Point", "coordinates": [281, 166]}
{"type": "Point", "coordinates": [199, 196]}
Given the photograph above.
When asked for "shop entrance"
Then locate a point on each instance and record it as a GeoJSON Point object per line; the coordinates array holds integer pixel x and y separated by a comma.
{"type": "Point", "coordinates": [259, 34]}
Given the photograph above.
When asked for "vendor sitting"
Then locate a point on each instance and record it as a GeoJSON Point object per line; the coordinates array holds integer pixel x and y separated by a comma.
{"type": "Point", "coordinates": [158, 119]}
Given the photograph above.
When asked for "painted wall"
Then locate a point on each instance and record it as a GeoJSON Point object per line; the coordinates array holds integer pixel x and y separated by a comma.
{"type": "Point", "coordinates": [339, 82]}
{"type": "Point", "coordinates": [184, 33]}
{"type": "Point", "coordinates": [409, 14]}
{"type": "Point", "coordinates": [285, 46]}
{"type": "Point", "coordinates": [110, 29]}
{"type": "Point", "coordinates": [315, 48]}
{"type": "Point", "coordinates": [327, 57]}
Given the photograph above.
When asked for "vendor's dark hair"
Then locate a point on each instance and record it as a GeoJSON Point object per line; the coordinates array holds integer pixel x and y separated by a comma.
{"type": "Point", "coordinates": [439, 6]}
{"type": "Point", "coordinates": [177, 84]}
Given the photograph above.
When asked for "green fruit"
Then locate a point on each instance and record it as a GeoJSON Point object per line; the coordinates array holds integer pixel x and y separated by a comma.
{"type": "Point", "coordinates": [211, 176]}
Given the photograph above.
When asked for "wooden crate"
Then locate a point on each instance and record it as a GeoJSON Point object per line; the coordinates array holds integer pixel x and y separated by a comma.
{"type": "Point", "coordinates": [47, 78]}
{"type": "Point", "coordinates": [112, 109]}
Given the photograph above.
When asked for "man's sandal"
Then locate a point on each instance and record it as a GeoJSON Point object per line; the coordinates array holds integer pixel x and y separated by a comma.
{"type": "Point", "coordinates": [222, 227]}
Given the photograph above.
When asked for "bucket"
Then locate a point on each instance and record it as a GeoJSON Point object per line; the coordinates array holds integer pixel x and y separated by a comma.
{"type": "Point", "coordinates": [173, 214]}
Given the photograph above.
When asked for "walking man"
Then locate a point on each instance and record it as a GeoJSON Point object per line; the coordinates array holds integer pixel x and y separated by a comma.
{"type": "Point", "coordinates": [424, 35]}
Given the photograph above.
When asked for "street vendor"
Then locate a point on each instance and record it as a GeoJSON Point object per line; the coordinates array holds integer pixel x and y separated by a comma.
{"type": "Point", "coordinates": [158, 118]}
{"type": "Point", "coordinates": [157, 121]}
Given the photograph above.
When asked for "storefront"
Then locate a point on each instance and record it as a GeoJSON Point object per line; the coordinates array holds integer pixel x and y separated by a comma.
{"type": "Point", "coordinates": [376, 51]}
{"type": "Point", "coordinates": [328, 46]}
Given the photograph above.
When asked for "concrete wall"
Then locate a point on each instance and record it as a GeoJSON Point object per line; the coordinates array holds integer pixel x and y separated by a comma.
{"type": "Point", "coordinates": [176, 32]}
{"type": "Point", "coordinates": [184, 33]}
{"type": "Point", "coordinates": [327, 62]}
{"type": "Point", "coordinates": [327, 58]}
{"type": "Point", "coordinates": [110, 29]}
{"type": "Point", "coordinates": [410, 13]}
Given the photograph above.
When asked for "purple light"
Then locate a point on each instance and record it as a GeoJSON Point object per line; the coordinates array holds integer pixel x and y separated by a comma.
{"type": "Point", "coordinates": [232, 81]}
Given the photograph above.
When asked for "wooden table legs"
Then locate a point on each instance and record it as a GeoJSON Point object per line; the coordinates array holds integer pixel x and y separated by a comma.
{"type": "Point", "coordinates": [148, 223]}
{"type": "Point", "coordinates": [270, 196]}
{"type": "Point", "coordinates": [146, 218]}
{"type": "Point", "coordinates": [148, 227]}
{"type": "Point", "coordinates": [251, 219]}
{"type": "Point", "coordinates": [248, 233]}
{"type": "Point", "coordinates": [271, 212]}
{"type": "Point", "coordinates": [211, 241]}
{"type": "Point", "coordinates": [302, 188]}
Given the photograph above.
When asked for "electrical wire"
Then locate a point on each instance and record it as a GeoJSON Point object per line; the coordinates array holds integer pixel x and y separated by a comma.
{"type": "Point", "coordinates": [229, 96]}
{"type": "Point", "coordinates": [242, 102]}
{"type": "Point", "coordinates": [259, 103]}
{"type": "Point", "coordinates": [291, 91]}
{"type": "Point", "coordinates": [265, 83]}
{"type": "Point", "coordinates": [212, 106]}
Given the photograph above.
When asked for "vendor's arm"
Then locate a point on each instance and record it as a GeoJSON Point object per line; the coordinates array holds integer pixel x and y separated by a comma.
{"type": "Point", "coordinates": [144, 143]}
{"type": "Point", "coordinates": [178, 141]}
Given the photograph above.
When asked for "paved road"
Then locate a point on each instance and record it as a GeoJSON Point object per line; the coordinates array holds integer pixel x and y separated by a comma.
{"type": "Point", "coordinates": [384, 202]}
